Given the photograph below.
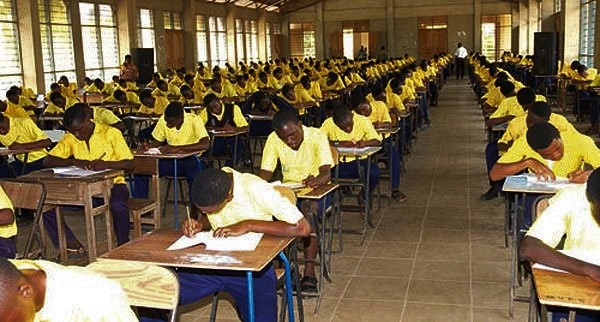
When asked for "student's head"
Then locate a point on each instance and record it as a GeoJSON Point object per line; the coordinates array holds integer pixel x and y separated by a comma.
{"type": "Point", "coordinates": [525, 97]}
{"type": "Point", "coordinates": [156, 77]}
{"type": "Point", "coordinates": [120, 96]}
{"type": "Point", "coordinates": [17, 294]}
{"type": "Point", "coordinates": [278, 72]}
{"type": "Point", "coordinates": [147, 98]}
{"type": "Point", "coordinates": [545, 139]}
{"type": "Point", "coordinates": [77, 121]}
{"type": "Point", "coordinates": [396, 85]}
{"type": "Point", "coordinates": [262, 99]}
{"type": "Point", "coordinates": [592, 192]}
{"type": "Point", "coordinates": [99, 83]}
{"type": "Point", "coordinates": [162, 85]}
{"type": "Point", "coordinates": [186, 92]}
{"type": "Point", "coordinates": [342, 117]}
{"type": "Point", "coordinates": [212, 190]}
{"type": "Point", "coordinates": [63, 80]}
{"type": "Point", "coordinates": [378, 93]}
{"type": "Point", "coordinates": [262, 76]}
{"type": "Point", "coordinates": [87, 81]}
{"type": "Point", "coordinates": [58, 100]}
{"type": "Point", "coordinates": [332, 77]}
{"type": "Point", "coordinates": [288, 127]}
{"type": "Point", "coordinates": [499, 81]}
{"type": "Point", "coordinates": [4, 124]}
{"type": "Point", "coordinates": [538, 112]}
{"type": "Point", "coordinates": [360, 105]}
{"type": "Point", "coordinates": [288, 92]}
{"type": "Point", "coordinates": [507, 89]}
{"type": "Point", "coordinates": [54, 87]}
{"type": "Point", "coordinates": [189, 79]}
{"type": "Point", "coordinates": [213, 104]}
{"type": "Point", "coordinates": [13, 96]}
{"type": "Point", "coordinates": [128, 59]}
{"type": "Point", "coordinates": [575, 64]}
{"type": "Point", "coordinates": [582, 70]}
{"type": "Point", "coordinates": [17, 89]}
{"type": "Point", "coordinates": [215, 85]}
{"type": "Point", "coordinates": [458, 45]}
{"type": "Point", "coordinates": [305, 81]}
{"type": "Point", "coordinates": [115, 79]}
{"type": "Point", "coordinates": [174, 115]}
{"type": "Point", "coordinates": [241, 80]}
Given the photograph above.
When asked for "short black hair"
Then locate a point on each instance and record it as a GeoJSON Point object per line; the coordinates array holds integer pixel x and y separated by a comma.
{"type": "Point", "coordinates": [305, 80]}
{"type": "Point", "coordinates": [332, 76]}
{"type": "Point", "coordinates": [286, 88]}
{"type": "Point", "coordinates": [187, 77]}
{"type": "Point", "coordinates": [340, 113]}
{"type": "Point", "coordinates": [174, 110]}
{"type": "Point", "coordinates": [9, 276]}
{"type": "Point", "coordinates": [210, 187]}
{"type": "Point", "coordinates": [54, 96]}
{"type": "Point", "coordinates": [75, 114]}
{"type": "Point", "coordinates": [11, 92]}
{"type": "Point", "coordinates": [541, 109]}
{"type": "Point", "coordinates": [507, 88]}
{"type": "Point", "coordinates": [541, 135]}
{"type": "Point", "coordinates": [53, 86]}
{"type": "Point", "coordinates": [592, 189]}
{"type": "Point", "coordinates": [395, 83]}
{"type": "Point", "coordinates": [161, 81]}
{"type": "Point", "coordinates": [357, 99]}
{"type": "Point", "coordinates": [284, 116]}
{"type": "Point", "coordinates": [209, 99]}
{"type": "Point", "coordinates": [185, 88]}
{"type": "Point", "coordinates": [147, 93]}
{"type": "Point", "coordinates": [377, 90]}
{"type": "Point", "coordinates": [117, 94]}
{"type": "Point", "coordinates": [525, 96]}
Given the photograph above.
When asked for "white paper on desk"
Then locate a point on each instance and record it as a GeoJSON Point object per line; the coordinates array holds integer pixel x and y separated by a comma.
{"type": "Point", "coordinates": [245, 242]}
{"type": "Point", "coordinates": [153, 151]}
{"type": "Point", "coordinates": [351, 150]}
{"type": "Point", "coordinates": [559, 182]}
{"type": "Point", "coordinates": [75, 171]}
{"type": "Point", "coordinates": [592, 257]}
{"type": "Point", "coordinates": [291, 185]}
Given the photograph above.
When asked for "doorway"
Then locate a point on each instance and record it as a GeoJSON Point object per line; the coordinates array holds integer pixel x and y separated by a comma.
{"type": "Point", "coordinates": [433, 36]}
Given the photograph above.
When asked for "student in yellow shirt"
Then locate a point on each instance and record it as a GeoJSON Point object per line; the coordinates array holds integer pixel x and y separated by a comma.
{"type": "Point", "coordinates": [58, 104]}
{"type": "Point", "coordinates": [394, 98]}
{"type": "Point", "coordinates": [348, 129]}
{"type": "Point", "coordinates": [14, 109]}
{"type": "Point", "coordinates": [101, 115]}
{"type": "Point", "coordinates": [68, 89]}
{"type": "Point", "coordinates": [188, 97]}
{"type": "Point", "coordinates": [197, 86]}
{"type": "Point", "coordinates": [227, 117]}
{"type": "Point", "coordinates": [8, 230]}
{"type": "Point", "coordinates": [87, 84]}
{"type": "Point", "coordinates": [129, 99]}
{"type": "Point", "coordinates": [152, 105]}
{"type": "Point", "coordinates": [101, 88]}
{"type": "Point", "coordinates": [333, 83]}
{"type": "Point", "coordinates": [44, 291]}
{"type": "Point", "coordinates": [377, 112]}
{"type": "Point", "coordinates": [23, 133]}
{"type": "Point", "coordinates": [305, 158]}
{"type": "Point", "coordinates": [573, 214]}
{"type": "Point", "coordinates": [175, 131]}
{"type": "Point", "coordinates": [509, 107]}
{"type": "Point", "coordinates": [97, 147]}
{"type": "Point", "coordinates": [218, 89]}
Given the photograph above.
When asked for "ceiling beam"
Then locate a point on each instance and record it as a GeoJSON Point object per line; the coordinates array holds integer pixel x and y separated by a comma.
{"type": "Point", "coordinates": [292, 6]}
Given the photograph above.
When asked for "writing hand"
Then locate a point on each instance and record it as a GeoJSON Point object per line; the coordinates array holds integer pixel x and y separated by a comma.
{"type": "Point", "coordinates": [231, 231]}
{"type": "Point", "coordinates": [84, 164]}
{"type": "Point", "coordinates": [312, 181]}
{"type": "Point", "coordinates": [579, 176]}
{"type": "Point", "coordinates": [593, 272]}
{"type": "Point", "coordinates": [541, 170]}
{"type": "Point", "coordinates": [191, 227]}
{"type": "Point", "coordinates": [169, 149]}
{"type": "Point", "coordinates": [97, 165]}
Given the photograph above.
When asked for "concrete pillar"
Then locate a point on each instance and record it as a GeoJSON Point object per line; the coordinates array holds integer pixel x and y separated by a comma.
{"type": "Point", "coordinates": [523, 27]}
{"type": "Point", "coordinates": [597, 37]}
{"type": "Point", "coordinates": [533, 13]}
{"type": "Point", "coordinates": [319, 32]}
{"type": "Point", "coordinates": [127, 26]}
{"type": "Point", "coordinates": [477, 25]}
{"type": "Point", "coordinates": [569, 23]}
{"type": "Point", "coordinates": [159, 40]}
{"type": "Point", "coordinates": [285, 36]}
{"type": "Point", "coordinates": [189, 28]}
{"type": "Point", "coordinates": [514, 44]}
{"type": "Point", "coordinates": [77, 40]}
{"type": "Point", "coordinates": [262, 35]}
{"type": "Point", "coordinates": [230, 27]}
{"type": "Point", "coordinates": [29, 32]}
{"type": "Point", "coordinates": [391, 29]}
{"type": "Point", "coordinates": [548, 15]}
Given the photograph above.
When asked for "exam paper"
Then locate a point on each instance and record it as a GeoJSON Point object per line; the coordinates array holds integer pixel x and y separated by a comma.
{"type": "Point", "coordinates": [75, 171]}
{"type": "Point", "coordinates": [245, 242]}
{"type": "Point", "coordinates": [291, 185]}
{"type": "Point", "coordinates": [592, 257]}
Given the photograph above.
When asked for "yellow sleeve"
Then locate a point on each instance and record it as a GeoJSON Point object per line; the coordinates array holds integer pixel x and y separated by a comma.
{"type": "Point", "coordinates": [591, 153]}
{"type": "Point", "coordinates": [265, 197]}
{"type": "Point", "coordinates": [501, 111]}
{"type": "Point", "coordinates": [324, 150]}
{"type": "Point", "coordinates": [269, 156]}
{"type": "Point", "coordinates": [553, 222]}
{"type": "Point", "coordinates": [64, 147]}
{"type": "Point", "coordinates": [159, 133]}
{"type": "Point", "coordinates": [53, 109]}
{"type": "Point", "coordinates": [369, 132]}
{"type": "Point", "coordinates": [5, 202]}
{"type": "Point", "coordinates": [121, 150]}
{"type": "Point", "coordinates": [34, 131]}
{"type": "Point", "coordinates": [199, 128]}
{"type": "Point", "coordinates": [105, 116]}
{"type": "Point", "coordinates": [516, 153]}
{"type": "Point", "coordinates": [238, 117]}
{"type": "Point", "coordinates": [326, 128]}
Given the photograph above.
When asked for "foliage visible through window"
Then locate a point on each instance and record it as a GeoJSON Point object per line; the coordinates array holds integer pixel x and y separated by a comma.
{"type": "Point", "coordinates": [302, 40]}
{"type": "Point", "coordinates": [587, 20]}
{"type": "Point", "coordinates": [202, 46]}
{"type": "Point", "coordinates": [217, 40]}
{"type": "Point", "coordinates": [11, 72]}
{"type": "Point", "coordinates": [57, 40]}
{"type": "Point", "coordinates": [495, 35]}
{"type": "Point", "coordinates": [100, 42]}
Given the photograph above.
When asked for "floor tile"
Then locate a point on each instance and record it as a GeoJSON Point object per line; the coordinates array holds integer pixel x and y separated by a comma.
{"type": "Point", "coordinates": [376, 288]}
{"type": "Point", "coordinates": [439, 292]}
{"type": "Point", "coordinates": [442, 270]}
{"type": "Point", "coordinates": [417, 312]}
{"type": "Point", "coordinates": [368, 310]}
{"type": "Point", "coordinates": [380, 267]}
{"type": "Point", "coordinates": [444, 251]}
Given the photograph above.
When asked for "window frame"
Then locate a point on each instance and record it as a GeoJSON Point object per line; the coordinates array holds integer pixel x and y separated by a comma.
{"type": "Point", "coordinates": [99, 41]}
{"type": "Point", "coordinates": [204, 31]}
{"type": "Point", "coordinates": [216, 60]}
{"type": "Point", "coordinates": [140, 29]}
{"type": "Point", "coordinates": [586, 56]}
{"type": "Point", "coordinates": [15, 23]}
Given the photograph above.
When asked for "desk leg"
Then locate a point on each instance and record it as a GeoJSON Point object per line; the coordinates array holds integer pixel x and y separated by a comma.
{"type": "Point", "coordinates": [25, 158]}
{"type": "Point", "coordinates": [89, 225]}
{"type": "Point", "coordinates": [175, 203]}
{"type": "Point", "coordinates": [62, 242]}
{"type": "Point", "coordinates": [368, 194]}
{"type": "Point", "coordinates": [108, 216]}
{"type": "Point", "coordinates": [235, 151]}
{"type": "Point", "coordinates": [572, 314]}
{"type": "Point", "coordinates": [513, 255]}
{"type": "Point", "coordinates": [288, 287]}
{"type": "Point", "coordinates": [250, 285]}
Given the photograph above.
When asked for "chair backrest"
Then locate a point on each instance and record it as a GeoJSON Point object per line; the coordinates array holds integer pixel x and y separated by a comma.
{"type": "Point", "coordinates": [539, 205]}
{"type": "Point", "coordinates": [287, 193]}
{"type": "Point", "coordinates": [146, 285]}
{"type": "Point", "coordinates": [25, 195]}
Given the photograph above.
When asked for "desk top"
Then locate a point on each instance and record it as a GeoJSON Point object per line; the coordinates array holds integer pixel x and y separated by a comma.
{"type": "Point", "coordinates": [7, 151]}
{"type": "Point", "coordinates": [500, 127]}
{"type": "Point", "coordinates": [141, 154]}
{"type": "Point", "coordinates": [566, 290]}
{"type": "Point", "coordinates": [50, 117]}
{"type": "Point", "coordinates": [360, 152]}
{"type": "Point", "coordinates": [520, 184]}
{"type": "Point", "coordinates": [138, 118]}
{"type": "Point", "coordinates": [226, 133]}
{"type": "Point", "coordinates": [49, 175]}
{"type": "Point", "coordinates": [195, 107]}
{"type": "Point", "coordinates": [152, 248]}
{"type": "Point", "coordinates": [259, 117]}
{"type": "Point", "coordinates": [387, 129]}
{"type": "Point", "coordinates": [316, 194]}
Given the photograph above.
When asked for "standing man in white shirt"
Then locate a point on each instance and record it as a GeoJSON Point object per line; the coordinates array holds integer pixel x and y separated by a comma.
{"type": "Point", "coordinates": [461, 53]}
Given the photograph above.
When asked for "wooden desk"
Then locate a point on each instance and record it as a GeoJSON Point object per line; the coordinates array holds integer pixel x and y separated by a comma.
{"type": "Point", "coordinates": [5, 152]}
{"type": "Point", "coordinates": [260, 117]}
{"type": "Point", "coordinates": [70, 191]}
{"type": "Point", "coordinates": [214, 133]}
{"type": "Point", "coordinates": [143, 159]}
{"type": "Point", "coordinates": [152, 248]}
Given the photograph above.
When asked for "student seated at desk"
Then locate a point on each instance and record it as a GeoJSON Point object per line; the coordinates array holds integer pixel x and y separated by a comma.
{"type": "Point", "coordinates": [574, 213]}
{"type": "Point", "coordinates": [232, 204]}
{"type": "Point", "coordinates": [333, 83]}
{"type": "Point", "coordinates": [58, 104]}
{"type": "Point", "coordinates": [97, 147]}
{"type": "Point", "coordinates": [23, 133]}
{"type": "Point", "coordinates": [188, 97]}
{"type": "Point", "coordinates": [128, 99]}
{"type": "Point", "coordinates": [348, 129]}
{"type": "Point", "coordinates": [175, 132]}
{"type": "Point", "coordinates": [378, 113]}
{"type": "Point", "coordinates": [44, 291]}
{"type": "Point", "coordinates": [68, 89]}
{"type": "Point", "coordinates": [152, 106]}
{"type": "Point", "coordinates": [8, 227]}
{"type": "Point", "coordinates": [549, 154]}
{"type": "Point", "coordinates": [14, 107]}
{"type": "Point", "coordinates": [225, 117]}
{"type": "Point", "coordinates": [101, 115]}
{"type": "Point", "coordinates": [165, 89]}
{"type": "Point", "coordinates": [100, 87]}
{"type": "Point", "coordinates": [312, 88]}
{"type": "Point", "coordinates": [305, 158]}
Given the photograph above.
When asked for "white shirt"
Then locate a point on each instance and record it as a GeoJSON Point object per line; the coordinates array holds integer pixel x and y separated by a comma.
{"type": "Point", "coordinates": [461, 52]}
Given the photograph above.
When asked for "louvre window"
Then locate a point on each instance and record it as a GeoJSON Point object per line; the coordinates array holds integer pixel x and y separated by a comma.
{"type": "Point", "coordinates": [302, 40]}
{"type": "Point", "coordinates": [100, 42]}
{"type": "Point", "coordinates": [172, 20]}
{"type": "Point", "coordinates": [587, 20]}
{"type": "Point", "coordinates": [146, 31]}
{"type": "Point", "coordinates": [495, 35]}
{"type": "Point", "coordinates": [201, 40]}
{"type": "Point", "coordinates": [11, 72]}
{"type": "Point", "coordinates": [218, 41]}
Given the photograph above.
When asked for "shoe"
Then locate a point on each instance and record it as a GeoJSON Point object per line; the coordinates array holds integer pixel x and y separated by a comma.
{"type": "Point", "coordinates": [399, 196]}
{"type": "Point", "coordinates": [489, 195]}
{"type": "Point", "coordinates": [309, 284]}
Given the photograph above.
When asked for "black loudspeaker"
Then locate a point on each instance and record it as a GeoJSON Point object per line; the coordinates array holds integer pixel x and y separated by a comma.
{"type": "Point", "coordinates": [545, 53]}
{"type": "Point", "coordinates": [144, 60]}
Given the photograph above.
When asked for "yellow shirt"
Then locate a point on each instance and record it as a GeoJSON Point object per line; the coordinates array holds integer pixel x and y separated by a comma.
{"type": "Point", "coordinates": [54, 109]}
{"type": "Point", "coordinates": [568, 214]}
{"type": "Point", "coordinates": [254, 199]}
{"type": "Point", "coordinates": [296, 165]}
{"type": "Point", "coordinates": [74, 293]}
{"type": "Point", "coordinates": [25, 101]}
{"type": "Point", "coordinates": [510, 106]}
{"type": "Point", "coordinates": [106, 143]}
{"type": "Point", "coordinates": [336, 86]}
{"type": "Point", "coordinates": [362, 130]}
{"type": "Point", "coordinates": [160, 104]}
{"type": "Point", "coordinates": [379, 112]}
{"type": "Point", "coordinates": [102, 115]}
{"type": "Point", "coordinates": [238, 117]}
{"type": "Point", "coordinates": [517, 127]}
{"type": "Point", "coordinates": [24, 130]}
{"type": "Point", "coordinates": [394, 101]}
{"type": "Point", "coordinates": [15, 110]}
{"type": "Point", "coordinates": [226, 91]}
{"type": "Point", "coordinates": [578, 149]}
{"type": "Point", "coordinates": [192, 131]}
{"type": "Point", "coordinates": [9, 230]}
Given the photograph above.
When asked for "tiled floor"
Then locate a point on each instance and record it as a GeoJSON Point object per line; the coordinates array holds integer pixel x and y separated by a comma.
{"type": "Point", "coordinates": [437, 257]}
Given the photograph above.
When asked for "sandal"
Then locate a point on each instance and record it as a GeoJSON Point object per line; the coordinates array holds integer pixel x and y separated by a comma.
{"type": "Point", "coordinates": [399, 196]}
{"type": "Point", "coordinates": [308, 284]}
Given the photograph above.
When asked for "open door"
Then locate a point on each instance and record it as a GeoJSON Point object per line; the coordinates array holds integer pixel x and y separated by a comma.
{"type": "Point", "coordinates": [174, 49]}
